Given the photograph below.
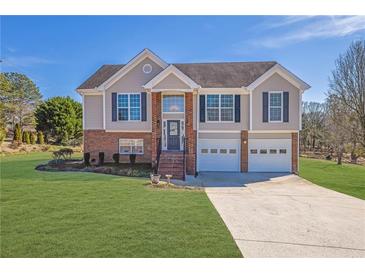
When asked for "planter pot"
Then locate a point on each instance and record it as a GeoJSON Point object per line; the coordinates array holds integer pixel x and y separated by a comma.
{"type": "Point", "coordinates": [155, 178]}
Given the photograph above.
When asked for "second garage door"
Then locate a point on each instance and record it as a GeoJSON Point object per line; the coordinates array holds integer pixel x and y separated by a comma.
{"type": "Point", "coordinates": [219, 155]}
{"type": "Point", "coordinates": [269, 155]}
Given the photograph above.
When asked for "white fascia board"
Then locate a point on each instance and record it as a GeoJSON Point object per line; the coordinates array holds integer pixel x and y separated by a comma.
{"type": "Point", "coordinates": [171, 69]}
{"type": "Point", "coordinates": [131, 64]}
{"type": "Point", "coordinates": [224, 90]}
{"type": "Point", "coordinates": [283, 72]}
{"type": "Point", "coordinates": [89, 92]}
{"type": "Point", "coordinates": [273, 131]}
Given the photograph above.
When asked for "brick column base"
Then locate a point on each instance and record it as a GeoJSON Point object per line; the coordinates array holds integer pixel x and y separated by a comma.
{"type": "Point", "coordinates": [244, 151]}
{"type": "Point", "coordinates": [190, 134]}
{"type": "Point", "coordinates": [294, 152]}
{"type": "Point", "coordinates": [156, 124]}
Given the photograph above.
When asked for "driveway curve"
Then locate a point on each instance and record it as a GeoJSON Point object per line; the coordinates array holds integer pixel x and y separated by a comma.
{"type": "Point", "coordinates": [291, 217]}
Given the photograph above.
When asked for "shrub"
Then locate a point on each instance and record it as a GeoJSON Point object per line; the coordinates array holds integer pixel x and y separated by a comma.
{"type": "Point", "coordinates": [17, 133]}
{"type": "Point", "coordinates": [101, 158]}
{"type": "Point", "coordinates": [33, 138]}
{"type": "Point", "coordinates": [26, 137]}
{"type": "Point", "coordinates": [40, 138]}
{"type": "Point", "coordinates": [116, 158]}
{"type": "Point", "coordinates": [63, 153]}
{"type": "Point", "coordinates": [2, 135]}
{"type": "Point", "coordinates": [87, 158]}
{"type": "Point", "coordinates": [132, 159]}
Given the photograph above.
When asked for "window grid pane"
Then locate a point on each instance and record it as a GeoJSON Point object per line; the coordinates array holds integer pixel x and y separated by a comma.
{"type": "Point", "coordinates": [227, 114]}
{"type": "Point", "coordinates": [227, 101]}
{"type": "Point", "coordinates": [131, 146]}
{"type": "Point", "coordinates": [212, 101]}
{"type": "Point", "coordinates": [134, 100]}
{"type": "Point", "coordinates": [123, 100]}
{"type": "Point", "coordinates": [275, 114]}
{"type": "Point", "coordinates": [213, 114]}
{"type": "Point", "coordinates": [123, 114]}
{"type": "Point", "coordinates": [275, 99]}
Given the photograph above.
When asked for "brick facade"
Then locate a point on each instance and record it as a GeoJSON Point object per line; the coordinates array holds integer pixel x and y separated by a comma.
{"type": "Point", "coordinates": [190, 134]}
{"type": "Point", "coordinates": [294, 152]}
{"type": "Point", "coordinates": [244, 151]}
{"type": "Point", "coordinates": [156, 124]}
{"type": "Point", "coordinates": [96, 141]}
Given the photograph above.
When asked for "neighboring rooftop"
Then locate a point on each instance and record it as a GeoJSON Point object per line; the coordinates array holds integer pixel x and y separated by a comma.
{"type": "Point", "coordinates": [207, 75]}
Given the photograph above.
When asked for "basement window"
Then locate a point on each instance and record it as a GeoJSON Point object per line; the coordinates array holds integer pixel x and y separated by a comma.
{"type": "Point", "coordinates": [130, 146]}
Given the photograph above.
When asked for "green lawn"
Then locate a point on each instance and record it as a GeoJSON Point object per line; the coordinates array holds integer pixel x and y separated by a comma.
{"type": "Point", "coordinates": [60, 214]}
{"type": "Point", "coordinates": [345, 178]}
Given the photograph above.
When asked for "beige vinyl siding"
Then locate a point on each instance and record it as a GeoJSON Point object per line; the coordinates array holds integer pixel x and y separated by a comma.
{"type": "Point", "coordinates": [219, 135]}
{"type": "Point", "coordinates": [269, 135]}
{"type": "Point", "coordinates": [244, 122]}
{"type": "Point", "coordinates": [171, 82]}
{"type": "Point", "coordinates": [276, 83]}
{"type": "Point", "coordinates": [130, 83]}
{"type": "Point", "coordinates": [93, 112]}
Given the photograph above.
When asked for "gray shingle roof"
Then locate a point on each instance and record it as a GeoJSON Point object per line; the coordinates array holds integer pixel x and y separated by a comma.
{"type": "Point", "coordinates": [100, 76]}
{"type": "Point", "coordinates": [207, 75]}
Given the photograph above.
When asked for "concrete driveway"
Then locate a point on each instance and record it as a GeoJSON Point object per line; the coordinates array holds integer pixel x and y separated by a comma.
{"type": "Point", "coordinates": [291, 217]}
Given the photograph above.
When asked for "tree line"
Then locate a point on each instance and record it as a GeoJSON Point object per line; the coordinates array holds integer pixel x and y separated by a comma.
{"type": "Point", "coordinates": [26, 118]}
{"type": "Point", "coordinates": [337, 126]}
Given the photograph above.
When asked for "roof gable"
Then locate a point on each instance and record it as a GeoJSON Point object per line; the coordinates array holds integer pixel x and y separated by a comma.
{"type": "Point", "coordinates": [171, 69]}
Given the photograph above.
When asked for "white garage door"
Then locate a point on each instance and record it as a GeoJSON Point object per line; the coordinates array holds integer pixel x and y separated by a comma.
{"type": "Point", "coordinates": [219, 155]}
{"type": "Point", "coordinates": [269, 155]}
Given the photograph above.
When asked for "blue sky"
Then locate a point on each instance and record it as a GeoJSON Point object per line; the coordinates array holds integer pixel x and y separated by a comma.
{"type": "Point", "coordinates": [59, 52]}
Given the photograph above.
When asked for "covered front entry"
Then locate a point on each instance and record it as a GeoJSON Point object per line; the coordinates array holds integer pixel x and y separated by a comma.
{"type": "Point", "coordinates": [219, 155]}
{"type": "Point", "coordinates": [173, 134]}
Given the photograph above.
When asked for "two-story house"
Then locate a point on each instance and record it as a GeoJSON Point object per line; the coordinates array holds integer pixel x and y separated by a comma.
{"type": "Point", "coordinates": [193, 117]}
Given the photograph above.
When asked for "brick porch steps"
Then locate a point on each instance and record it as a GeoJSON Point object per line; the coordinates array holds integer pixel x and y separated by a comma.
{"type": "Point", "coordinates": [172, 162]}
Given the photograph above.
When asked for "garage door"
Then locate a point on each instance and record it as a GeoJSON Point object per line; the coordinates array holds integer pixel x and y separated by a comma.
{"type": "Point", "coordinates": [269, 155]}
{"type": "Point", "coordinates": [219, 155]}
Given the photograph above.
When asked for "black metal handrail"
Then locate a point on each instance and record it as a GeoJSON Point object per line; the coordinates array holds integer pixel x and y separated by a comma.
{"type": "Point", "coordinates": [184, 155]}
{"type": "Point", "coordinates": [158, 141]}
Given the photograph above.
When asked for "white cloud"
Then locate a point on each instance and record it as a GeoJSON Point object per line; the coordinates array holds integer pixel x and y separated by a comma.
{"type": "Point", "coordinates": [311, 28]}
{"type": "Point", "coordinates": [25, 61]}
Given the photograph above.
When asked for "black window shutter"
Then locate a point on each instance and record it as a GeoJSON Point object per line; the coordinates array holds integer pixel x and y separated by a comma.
{"type": "Point", "coordinates": [202, 108]}
{"type": "Point", "coordinates": [144, 106]}
{"type": "Point", "coordinates": [237, 108]}
{"type": "Point", "coordinates": [265, 107]}
{"type": "Point", "coordinates": [114, 106]}
{"type": "Point", "coordinates": [286, 106]}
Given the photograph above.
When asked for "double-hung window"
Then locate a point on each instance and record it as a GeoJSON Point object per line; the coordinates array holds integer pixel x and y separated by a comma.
{"type": "Point", "coordinates": [129, 107]}
{"type": "Point", "coordinates": [220, 107]}
{"type": "Point", "coordinates": [275, 106]}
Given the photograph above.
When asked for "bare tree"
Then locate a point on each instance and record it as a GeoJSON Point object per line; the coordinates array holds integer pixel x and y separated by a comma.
{"type": "Point", "coordinates": [313, 124]}
{"type": "Point", "coordinates": [347, 86]}
{"type": "Point", "coordinates": [336, 125]}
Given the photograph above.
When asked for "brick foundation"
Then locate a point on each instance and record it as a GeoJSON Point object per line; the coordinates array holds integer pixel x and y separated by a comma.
{"type": "Point", "coordinates": [96, 141]}
{"type": "Point", "coordinates": [294, 152]}
{"type": "Point", "coordinates": [244, 151]}
{"type": "Point", "coordinates": [190, 134]}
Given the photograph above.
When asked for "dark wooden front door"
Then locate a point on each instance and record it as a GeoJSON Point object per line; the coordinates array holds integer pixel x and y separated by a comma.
{"type": "Point", "coordinates": [173, 135]}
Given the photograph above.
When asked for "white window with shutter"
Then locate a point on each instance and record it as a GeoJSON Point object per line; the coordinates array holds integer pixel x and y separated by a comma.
{"type": "Point", "coordinates": [130, 146]}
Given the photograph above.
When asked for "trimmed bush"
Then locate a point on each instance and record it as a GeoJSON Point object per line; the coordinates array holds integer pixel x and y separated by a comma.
{"type": "Point", "coordinates": [87, 158]}
{"type": "Point", "coordinates": [101, 158]}
{"type": "Point", "coordinates": [132, 158]}
{"type": "Point", "coordinates": [17, 133]}
{"type": "Point", "coordinates": [2, 135]}
{"type": "Point", "coordinates": [116, 158]}
{"type": "Point", "coordinates": [26, 137]}
{"type": "Point", "coordinates": [33, 138]}
{"type": "Point", "coordinates": [40, 138]}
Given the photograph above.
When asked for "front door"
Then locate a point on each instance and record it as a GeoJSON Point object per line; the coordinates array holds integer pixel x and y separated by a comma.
{"type": "Point", "coordinates": [173, 135]}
